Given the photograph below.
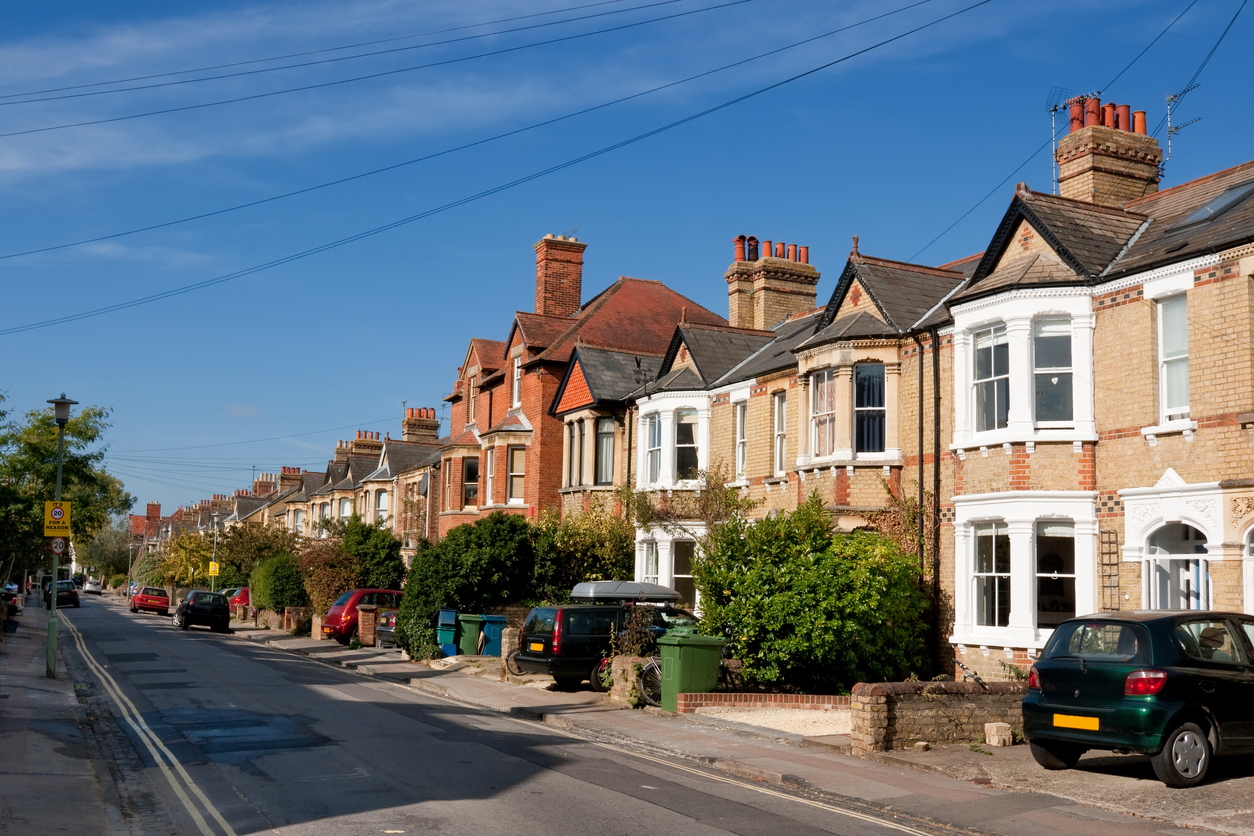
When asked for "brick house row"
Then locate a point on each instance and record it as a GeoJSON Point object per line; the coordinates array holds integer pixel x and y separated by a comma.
{"type": "Point", "coordinates": [1075, 401]}
{"type": "Point", "coordinates": [1073, 405]}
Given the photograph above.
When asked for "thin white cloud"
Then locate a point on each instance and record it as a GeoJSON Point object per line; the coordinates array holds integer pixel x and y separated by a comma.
{"type": "Point", "coordinates": [162, 256]}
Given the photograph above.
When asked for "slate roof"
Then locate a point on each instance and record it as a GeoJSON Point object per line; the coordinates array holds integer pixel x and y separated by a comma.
{"type": "Point", "coordinates": [714, 351]}
{"type": "Point", "coordinates": [1160, 244]}
{"type": "Point", "coordinates": [682, 379]}
{"type": "Point", "coordinates": [965, 266]}
{"type": "Point", "coordinates": [613, 375]}
{"type": "Point", "coordinates": [777, 354]}
{"type": "Point", "coordinates": [1033, 269]}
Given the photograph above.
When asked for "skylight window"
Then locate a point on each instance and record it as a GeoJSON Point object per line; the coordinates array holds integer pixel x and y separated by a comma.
{"type": "Point", "coordinates": [1216, 205]}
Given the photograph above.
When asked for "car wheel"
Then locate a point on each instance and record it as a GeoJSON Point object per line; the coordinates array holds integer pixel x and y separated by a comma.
{"type": "Point", "coordinates": [1185, 757]}
{"type": "Point", "coordinates": [134, 609]}
{"type": "Point", "coordinates": [184, 623]}
{"type": "Point", "coordinates": [76, 604]}
{"type": "Point", "coordinates": [1056, 755]}
{"type": "Point", "coordinates": [222, 627]}
{"type": "Point", "coordinates": [601, 675]}
{"type": "Point", "coordinates": [511, 665]}
{"type": "Point", "coordinates": [568, 683]}
{"type": "Point", "coordinates": [341, 639]}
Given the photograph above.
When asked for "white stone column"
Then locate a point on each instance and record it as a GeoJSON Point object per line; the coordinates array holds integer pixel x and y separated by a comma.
{"type": "Point", "coordinates": [892, 416]}
{"type": "Point", "coordinates": [1022, 393]}
{"type": "Point", "coordinates": [1022, 574]}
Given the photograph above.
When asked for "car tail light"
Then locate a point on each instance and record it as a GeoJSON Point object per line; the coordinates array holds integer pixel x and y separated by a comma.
{"type": "Point", "coordinates": [1144, 683]}
{"type": "Point", "coordinates": [557, 632]}
{"type": "Point", "coordinates": [1034, 679]}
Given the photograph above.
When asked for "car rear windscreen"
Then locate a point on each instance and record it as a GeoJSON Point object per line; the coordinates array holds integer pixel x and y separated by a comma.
{"type": "Point", "coordinates": [540, 620]}
{"type": "Point", "coordinates": [1110, 641]}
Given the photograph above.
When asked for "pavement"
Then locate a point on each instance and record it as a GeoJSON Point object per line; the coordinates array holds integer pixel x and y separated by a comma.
{"type": "Point", "coordinates": [43, 733]}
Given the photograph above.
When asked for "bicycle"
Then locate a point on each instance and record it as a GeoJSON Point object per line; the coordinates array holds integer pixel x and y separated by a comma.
{"type": "Point", "coordinates": [968, 675]}
{"type": "Point", "coordinates": [649, 681]}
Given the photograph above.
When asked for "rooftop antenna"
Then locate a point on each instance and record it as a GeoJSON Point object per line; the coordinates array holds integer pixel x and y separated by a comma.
{"type": "Point", "coordinates": [1173, 100]}
{"type": "Point", "coordinates": [1058, 98]}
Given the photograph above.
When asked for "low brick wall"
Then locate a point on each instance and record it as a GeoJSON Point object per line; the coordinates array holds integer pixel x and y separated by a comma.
{"type": "Point", "coordinates": [896, 715]}
{"type": "Point", "coordinates": [688, 703]}
{"type": "Point", "coordinates": [625, 670]}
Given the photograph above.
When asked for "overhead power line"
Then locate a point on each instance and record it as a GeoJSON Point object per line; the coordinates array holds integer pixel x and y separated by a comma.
{"type": "Point", "coordinates": [465, 146]}
{"type": "Point", "coordinates": [213, 67]}
{"type": "Point", "coordinates": [258, 440]}
{"type": "Point", "coordinates": [369, 76]}
{"type": "Point", "coordinates": [480, 195]}
{"type": "Point", "coordinates": [339, 59]}
{"type": "Point", "coordinates": [1193, 80]}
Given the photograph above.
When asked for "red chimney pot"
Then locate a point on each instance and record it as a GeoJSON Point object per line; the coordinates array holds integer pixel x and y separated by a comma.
{"type": "Point", "coordinates": [803, 253]}
{"type": "Point", "coordinates": [1092, 112]}
{"type": "Point", "coordinates": [792, 252]}
{"type": "Point", "coordinates": [1138, 122]}
{"type": "Point", "coordinates": [1123, 115]}
{"type": "Point", "coordinates": [1077, 114]}
{"type": "Point", "coordinates": [739, 240]}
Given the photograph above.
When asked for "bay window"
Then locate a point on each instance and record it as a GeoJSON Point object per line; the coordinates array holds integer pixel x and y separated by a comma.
{"type": "Point", "coordinates": [992, 574]}
{"type": "Point", "coordinates": [1051, 353]}
{"type": "Point", "coordinates": [1055, 572]}
{"type": "Point", "coordinates": [516, 460]}
{"type": "Point", "coordinates": [470, 481]}
{"type": "Point", "coordinates": [992, 379]}
{"type": "Point", "coordinates": [870, 413]}
{"type": "Point", "coordinates": [823, 413]}
{"type": "Point", "coordinates": [653, 446]}
{"type": "Point", "coordinates": [686, 458]}
{"type": "Point", "coordinates": [605, 451]}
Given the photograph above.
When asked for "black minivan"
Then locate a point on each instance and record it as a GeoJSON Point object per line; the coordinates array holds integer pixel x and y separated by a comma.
{"type": "Point", "coordinates": [570, 642]}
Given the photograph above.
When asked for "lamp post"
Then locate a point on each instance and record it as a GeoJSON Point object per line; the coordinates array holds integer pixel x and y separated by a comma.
{"type": "Point", "coordinates": [61, 412]}
{"type": "Point", "coordinates": [213, 579]}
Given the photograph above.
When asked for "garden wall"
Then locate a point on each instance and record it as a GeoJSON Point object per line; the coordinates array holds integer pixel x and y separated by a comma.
{"type": "Point", "coordinates": [897, 715]}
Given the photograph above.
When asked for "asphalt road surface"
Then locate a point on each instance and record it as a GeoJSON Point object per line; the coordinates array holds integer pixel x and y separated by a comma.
{"type": "Point", "coordinates": [206, 734]}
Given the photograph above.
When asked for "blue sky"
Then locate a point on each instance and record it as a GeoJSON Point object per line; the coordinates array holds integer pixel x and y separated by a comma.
{"type": "Point", "coordinates": [269, 369]}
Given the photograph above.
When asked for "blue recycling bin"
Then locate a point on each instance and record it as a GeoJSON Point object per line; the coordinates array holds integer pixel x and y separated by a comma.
{"type": "Point", "coordinates": [492, 627]}
{"type": "Point", "coordinates": [446, 632]}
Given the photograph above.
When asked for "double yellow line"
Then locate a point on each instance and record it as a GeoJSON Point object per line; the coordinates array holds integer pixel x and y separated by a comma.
{"type": "Point", "coordinates": [173, 771]}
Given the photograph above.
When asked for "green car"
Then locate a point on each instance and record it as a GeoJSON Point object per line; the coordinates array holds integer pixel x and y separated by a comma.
{"type": "Point", "coordinates": [1177, 685]}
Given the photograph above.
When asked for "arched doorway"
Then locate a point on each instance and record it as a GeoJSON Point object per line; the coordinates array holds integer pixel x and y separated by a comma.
{"type": "Point", "coordinates": [1177, 571]}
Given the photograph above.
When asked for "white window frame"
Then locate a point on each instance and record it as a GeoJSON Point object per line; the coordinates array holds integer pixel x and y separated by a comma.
{"type": "Point", "coordinates": [381, 504]}
{"type": "Point", "coordinates": [488, 460]}
{"type": "Point", "coordinates": [516, 390]}
{"type": "Point", "coordinates": [740, 418]}
{"type": "Point", "coordinates": [653, 447]}
{"type": "Point", "coordinates": [1168, 360]}
{"type": "Point", "coordinates": [1041, 327]}
{"type": "Point", "coordinates": [881, 409]}
{"type": "Point", "coordinates": [516, 480]}
{"type": "Point", "coordinates": [682, 416]}
{"type": "Point", "coordinates": [605, 444]}
{"type": "Point", "coordinates": [298, 520]}
{"type": "Point", "coordinates": [779, 411]}
{"type": "Point", "coordinates": [649, 560]}
{"type": "Point", "coordinates": [994, 336]}
{"type": "Point", "coordinates": [346, 504]}
{"type": "Point", "coordinates": [823, 416]}
{"type": "Point", "coordinates": [995, 578]}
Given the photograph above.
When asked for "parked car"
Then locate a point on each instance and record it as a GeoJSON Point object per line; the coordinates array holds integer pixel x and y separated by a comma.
{"type": "Point", "coordinates": [93, 587]}
{"type": "Point", "coordinates": [229, 593]}
{"type": "Point", "coordinates": [150, 598]}
{"type": "Point", "coordinates": [1177, 685]}
{"type": "Point", "coordinates": [67, 594]}
{"type": "Point", "coordinates": [341, 621]}
{"type": "Point", "coordinates": [203, 607]}
{"type": "Point", "coordinates": [571, 641]}
{"type": "Point", "coordinates": [239, 598]}
{"type": "Point", "coordinates": [385, 628]}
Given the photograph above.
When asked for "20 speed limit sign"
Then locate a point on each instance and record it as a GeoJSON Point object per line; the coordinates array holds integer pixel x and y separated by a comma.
{"type": "Point", "coordinates": [58, 545]}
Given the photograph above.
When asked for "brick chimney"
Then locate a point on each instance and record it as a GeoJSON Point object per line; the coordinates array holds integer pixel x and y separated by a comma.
{"type": "Point", "coordinates": [559, 275]}
{"type": "Point", "coordinates": [420, 424]}
{"type": "Point", "coordinates": [764, 288]}
{"type": "Point", "coordinates": [264, 484]}
{"type": "Point", "coordinates": [153, 512]}
{"type": "Point", "coordinates": [289, 477]}
{"type": "Point", "coordinates": [367, 443]}
{"type": "Point", "coordinates": [1107, 158]}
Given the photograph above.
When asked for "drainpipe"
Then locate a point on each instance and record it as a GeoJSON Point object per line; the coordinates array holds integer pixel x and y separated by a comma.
{"type": "Point", "coordinates": [936, 481]}
{"type": "Point", "coordinates": [922, 558]}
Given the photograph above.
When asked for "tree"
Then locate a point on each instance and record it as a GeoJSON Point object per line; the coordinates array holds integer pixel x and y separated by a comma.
{"type": "Point", "coordinates": [109, 552]}
{"type": "Point", "coordinates": [593, 545]}
{"type": "Point", "coordinates": [276, 583]}
{"type": "Point", "coordinates": [811, 608]}
{"type": "Point", "coordinates": [28, 464]}
{"type": "Point", "coordinates": [328, 571]}
{"type": "Point", "coordinates": [243, 547]}
{"type": "Point", "coordinates": [147, 570]}
{"type": "Point", "coordinates": [186, 560]}
{"type": "Point", "coordinates": [377, 551]}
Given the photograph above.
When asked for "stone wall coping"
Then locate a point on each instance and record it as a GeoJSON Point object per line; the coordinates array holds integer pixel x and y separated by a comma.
{"type": "Point", "coordinates": [887, 689]}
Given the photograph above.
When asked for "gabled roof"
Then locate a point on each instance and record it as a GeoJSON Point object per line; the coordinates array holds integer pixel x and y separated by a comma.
{"type": "Point", "coordinates": [714, 351]}
{"type": "Point", "coordinates": [966, 266]}
{"type": "Point", "coordinates": [1087, 238]}
{"type": "Point", "coordinates": [903, 293]}
{"type": "Point", "coordinates": [1165, 240]}
{"type": "Point", "coordinates": [490, 354]}
{"type": "Point", "coordinates": [632, 316]}
{"type": "Point", "coordinates": [859, 325]}
{"type": "Point", "coordinates": [597, 375]}
{"type": "Point", "coordinates": [679, 380]}
{"type": "Point", "coordinates": [538, 330]}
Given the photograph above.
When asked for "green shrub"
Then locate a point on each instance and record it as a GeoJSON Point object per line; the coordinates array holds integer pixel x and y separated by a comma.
{"type": "Point", "coordinates": [806, 607]}
{"type": "Point", "coordinates": [276, 583]}
{"type": "Point", "coordinates": [117, 581]}
{"type": "Point", "coordinates": [593, 545]}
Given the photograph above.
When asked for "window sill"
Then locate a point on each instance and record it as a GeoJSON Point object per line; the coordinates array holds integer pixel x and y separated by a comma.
{"type": "Point", "coordinates": [997, 438]}
{"type": "Point", "coordinates": [1184, 426]}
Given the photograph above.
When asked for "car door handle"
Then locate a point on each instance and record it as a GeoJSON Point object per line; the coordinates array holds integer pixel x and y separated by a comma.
{"type": "Point", "coordinates": [1208, 687]}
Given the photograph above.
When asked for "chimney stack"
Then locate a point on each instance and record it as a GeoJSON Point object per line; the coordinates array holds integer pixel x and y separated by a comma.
{"type": "Point", "coordinates": [559, 275]}
{"type": "Point", "coordinates": [420, 424]}
{"type": "Point", "coordinates": [1107, 158]}
{"type": "Point", "coordinates": [762, 291]}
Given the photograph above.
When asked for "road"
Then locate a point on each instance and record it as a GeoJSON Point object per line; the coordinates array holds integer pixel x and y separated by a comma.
{"type": "Point", "coordinates": [206, 734]}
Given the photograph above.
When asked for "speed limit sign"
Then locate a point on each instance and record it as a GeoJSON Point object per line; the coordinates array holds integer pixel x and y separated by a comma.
{"type": "Point", "coordinates": [58, 545]}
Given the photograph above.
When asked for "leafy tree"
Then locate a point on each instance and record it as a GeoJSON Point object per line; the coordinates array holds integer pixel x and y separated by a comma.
{"type": "Point", "coordinates": [376, 550]}
{"type": "Point", "coordinates": [28, 463]}
{"type": "Point", "coordinates": [591, 546]}
{"type": "Point", "coordinates": [276, 583]}
{"type": "Point", "coordinates": [147, 570]}
{"type": "Point", "coordinates": [243, 547]}
{"type": "Point", "coordinates": [186, 560]}
{"type": "Point", "coordinates": [477, 566]}
{"type": "Point", "coordinates": [807, 607]}
{"type": "Point", "coordinates": [109, 552]}
{"type": "Point", "coordinates": [328, 571]}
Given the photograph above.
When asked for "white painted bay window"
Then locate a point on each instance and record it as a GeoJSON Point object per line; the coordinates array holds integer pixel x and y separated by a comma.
{"type": "Point", "coordinates": [604, 465]}
{"type": "Point", "coordinates": [687, 460]}
{"type": "Point", "coordinates": [992, 575]}
{"type": "Point", "coordinates": [653, 446]}
{"type": "Point", "coordinates": [517, 462]}
{"type": "Point", "coordinates": [870, 414]}
{"type": "Point", "coordinates": [823, 413]}
{"type": "Point", "coordinates": [992, 379]}
{"type": "Point", "coordinates": [1051, 350]}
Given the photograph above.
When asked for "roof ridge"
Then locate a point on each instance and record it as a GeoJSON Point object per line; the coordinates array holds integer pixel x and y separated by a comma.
{"type": "Point", "coordinates": [918, 268]}
{"type": "Point", "coordinates": [1028, 195]}
{"type": "Point", "coordinates": [959, 261]}
{"type": "Point", "coordinates": [1204, 178]}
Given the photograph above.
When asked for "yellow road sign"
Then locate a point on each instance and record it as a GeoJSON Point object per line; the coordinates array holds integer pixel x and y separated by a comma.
{"type": "Point", "coordinates": [213, 569]}
{"type": "Point", "coordinates": [56, 519]}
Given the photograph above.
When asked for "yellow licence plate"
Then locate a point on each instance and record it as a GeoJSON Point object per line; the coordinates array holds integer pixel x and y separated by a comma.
{"type": "Point", "coordinates": [536, 647]}
{"type": "Point", "coordinates": [1071, 721]}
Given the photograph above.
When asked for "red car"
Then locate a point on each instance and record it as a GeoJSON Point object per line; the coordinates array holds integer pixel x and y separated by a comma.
{"type": "Point", "coordinates": [341, 621]}
{"type": "Point", "coordinates": [239, 599]}
{"type": "Point", "coordinates": [152, 598]}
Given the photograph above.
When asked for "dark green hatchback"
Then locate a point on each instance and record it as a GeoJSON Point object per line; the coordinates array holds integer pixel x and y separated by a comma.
{"type": "Point", "coordinates": [1174, 684]}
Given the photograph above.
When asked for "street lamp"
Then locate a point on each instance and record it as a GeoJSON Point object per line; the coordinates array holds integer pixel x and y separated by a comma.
{"type": "Point", "coordinates": [213, 579]}
{"type": "Point", "coordinates": [61, 412]}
